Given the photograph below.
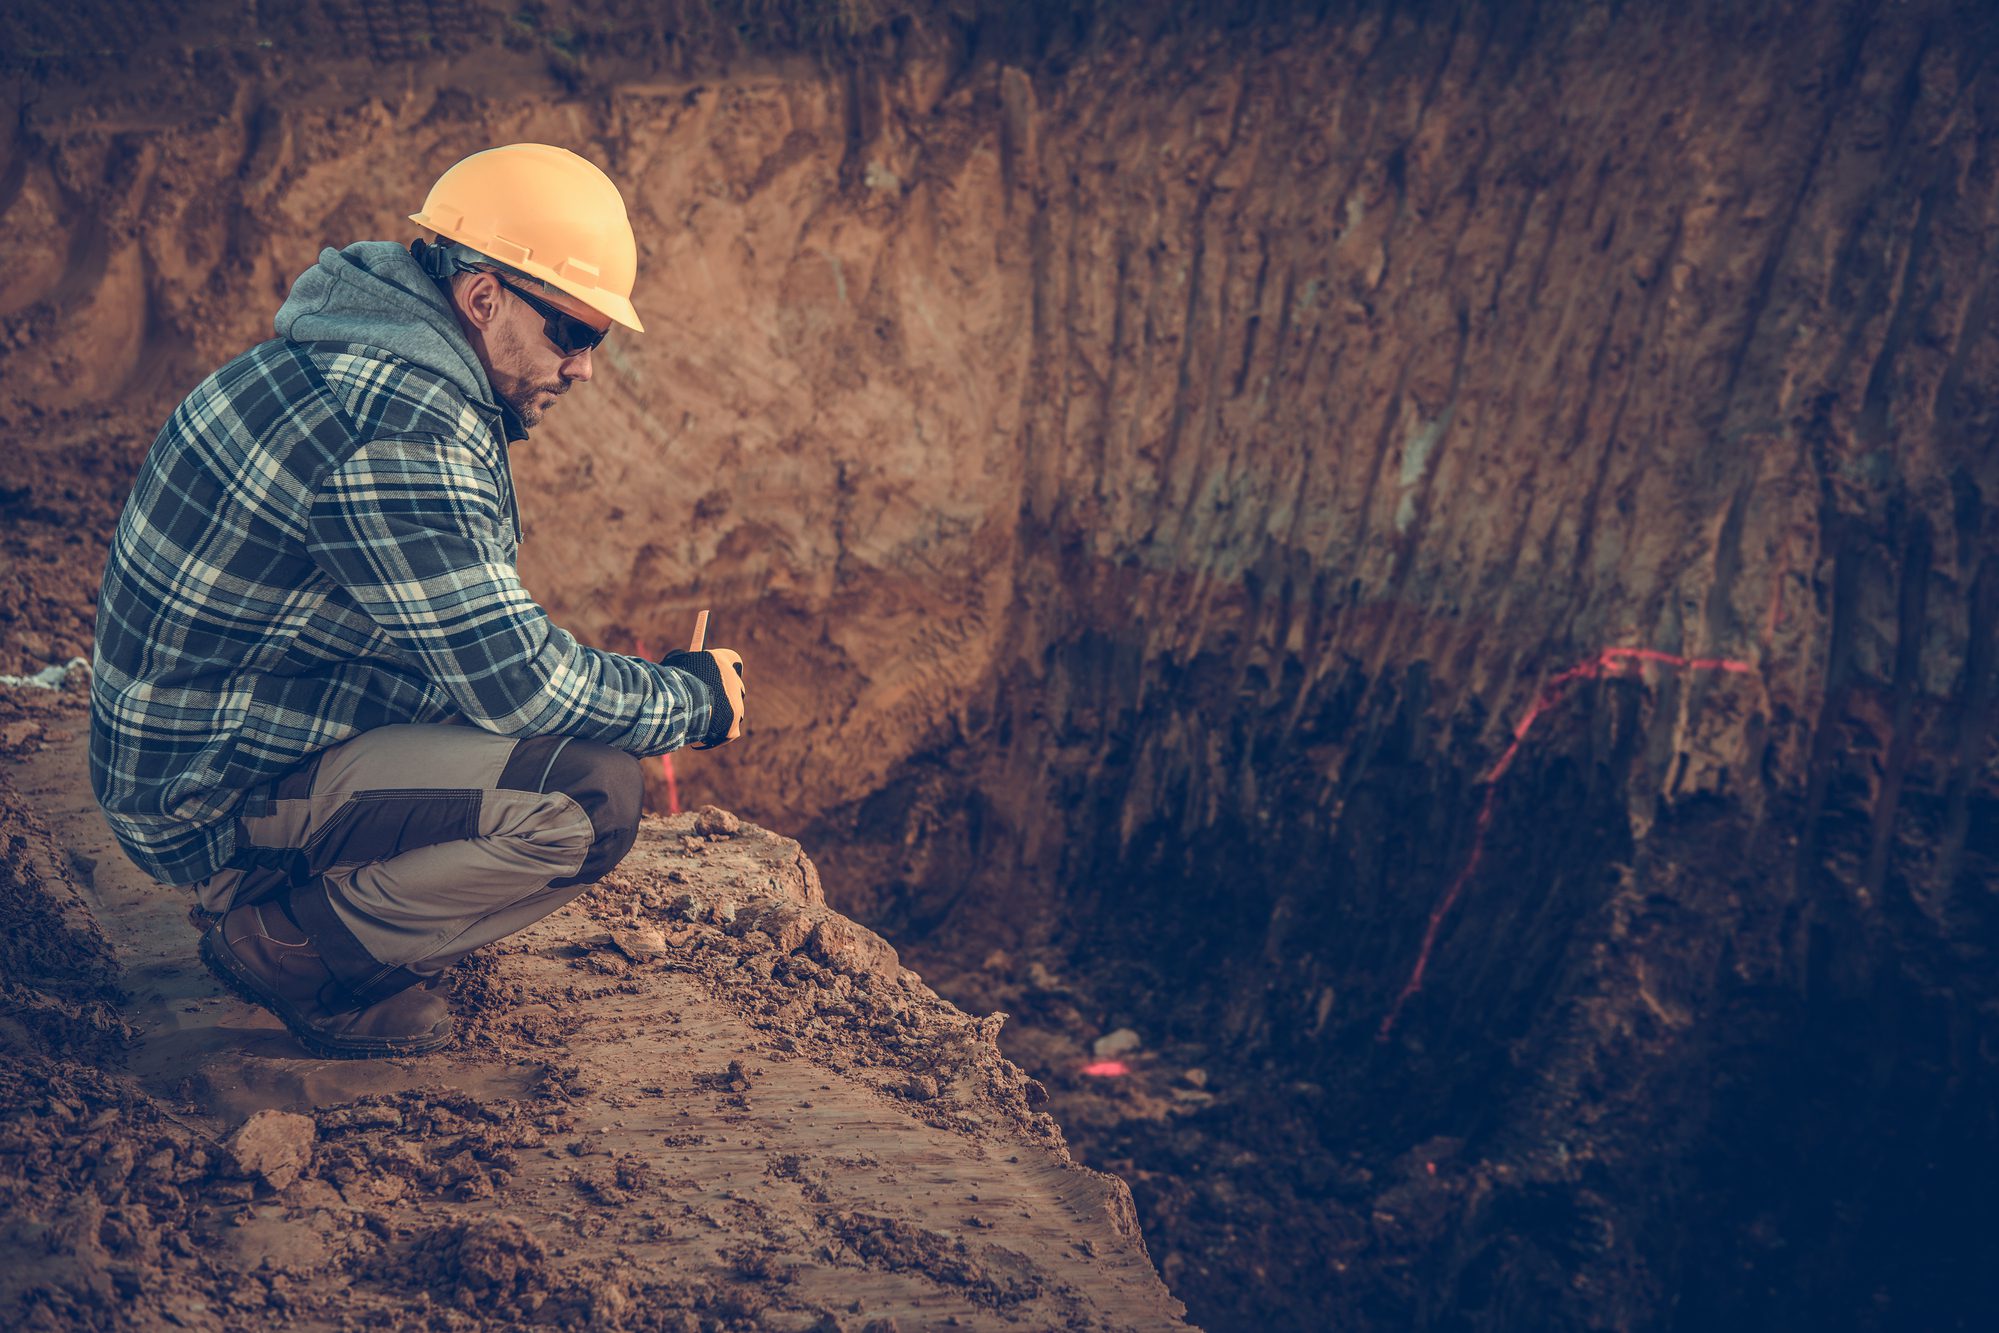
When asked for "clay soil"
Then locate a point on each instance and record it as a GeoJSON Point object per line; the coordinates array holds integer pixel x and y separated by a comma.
{"type": "Point", "coordinates": [695, 1099]}
{"type": "Point", "coordinates": [1181, 477]}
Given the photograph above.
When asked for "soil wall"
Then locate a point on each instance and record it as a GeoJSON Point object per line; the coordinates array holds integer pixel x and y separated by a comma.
{"type": "Point", "coordinates": [1157, 468]}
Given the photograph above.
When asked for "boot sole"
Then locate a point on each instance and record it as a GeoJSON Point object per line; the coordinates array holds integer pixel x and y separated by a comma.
{"type": "Point", "coordinates": [230, 973]}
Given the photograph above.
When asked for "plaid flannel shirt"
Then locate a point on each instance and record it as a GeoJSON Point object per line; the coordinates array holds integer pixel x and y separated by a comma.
{"type": "Point", "coordinates": [321, 542]}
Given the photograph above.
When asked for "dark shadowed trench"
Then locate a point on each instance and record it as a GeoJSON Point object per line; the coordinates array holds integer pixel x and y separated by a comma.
{"type": "Point", "coordinates": [1435, 562]}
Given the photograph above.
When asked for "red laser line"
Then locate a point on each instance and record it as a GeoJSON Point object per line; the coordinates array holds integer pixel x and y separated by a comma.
{"type": "Point", "coordinates": [1610, 659]}
{"type": "Point", "coordinates": [665, 760]}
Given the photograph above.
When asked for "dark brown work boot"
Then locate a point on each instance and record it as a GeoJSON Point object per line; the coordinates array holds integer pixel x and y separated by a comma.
{"type": "Point", "coordinates": [258, 953]}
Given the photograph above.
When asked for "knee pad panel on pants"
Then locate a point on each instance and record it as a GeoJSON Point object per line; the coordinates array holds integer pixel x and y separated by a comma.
{"type": "Point", "coordinates": [604, 781]}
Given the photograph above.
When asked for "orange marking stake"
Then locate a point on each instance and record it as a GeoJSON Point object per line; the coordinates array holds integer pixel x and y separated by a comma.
{"type": "Point", "coordinates": [666, 760]}
{"type": "Point", "coordinates": [700, 632]}
{"type": "Point", "coordinates": [672, 787]}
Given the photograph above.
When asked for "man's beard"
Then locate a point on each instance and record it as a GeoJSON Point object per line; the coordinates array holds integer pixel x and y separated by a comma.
{"type": "Point", "coordinates": [518, 393]}
{"type": "Point", "coordinates": [524, 398]}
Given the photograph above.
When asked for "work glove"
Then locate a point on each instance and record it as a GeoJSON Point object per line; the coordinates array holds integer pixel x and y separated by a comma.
{"type": "Point", "coordinates": [722, 672]}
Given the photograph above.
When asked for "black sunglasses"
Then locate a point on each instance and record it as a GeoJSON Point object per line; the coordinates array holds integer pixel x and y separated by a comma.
{"type": "Point", "coordinates": [570, 335]}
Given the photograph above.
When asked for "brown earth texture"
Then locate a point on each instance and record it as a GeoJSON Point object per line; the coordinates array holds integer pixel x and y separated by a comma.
{"type": "Point", "coordinates": [1410, 590]}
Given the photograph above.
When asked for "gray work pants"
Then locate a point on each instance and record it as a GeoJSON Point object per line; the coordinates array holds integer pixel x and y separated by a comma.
{"type": "Point", "coordinates": [404, 849]}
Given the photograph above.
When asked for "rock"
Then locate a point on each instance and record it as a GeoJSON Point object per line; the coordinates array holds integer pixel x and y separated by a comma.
{"type": "Point", "coordinates": [787, 925]}
{"type": "Point", "coordinates": [115, 1165]}
{"type": "Point", "coordinates": [273, 1146]}
{"type": "Point", "coordinates": [359, 1117]}
{"type": "Point", "coordinates": [850, 947]}
{"type": "Point", "coordinates": [1194, 1078]}
{"type": "Point", "coordinates": [920, 1088]}
{"type": "Point", "coordinates": [495, 1261]}
{"type": "Point", "coordinates": [19, 733]}
{"type": "Point", "coordinates": [639, 943]}
{"type": "Point", "coordinates": [1113, 1044]}
{"type": "Point", "coordinates": [714, 822]}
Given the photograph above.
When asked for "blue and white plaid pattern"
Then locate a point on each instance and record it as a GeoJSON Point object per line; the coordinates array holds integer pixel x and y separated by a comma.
{"type": "Point", "coordinates": [321, 542]}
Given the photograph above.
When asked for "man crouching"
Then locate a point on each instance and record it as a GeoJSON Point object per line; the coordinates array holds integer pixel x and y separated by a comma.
{"type": "Point", "coordinates": [321, 697]}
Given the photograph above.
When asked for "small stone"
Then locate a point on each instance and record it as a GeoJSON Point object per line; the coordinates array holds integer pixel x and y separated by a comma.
{"type": "Point", "coordinates": [920, 1088]}
{"type": "Point", "coordinates": [786, 925]}
{"type": "Point", "coordinates": [274, 1146]}
{"type": "Point", "coordinates": [115, 1166]}
{"type": "Point", "coordinates": [359, 1117]}
{"type": "Point", "coordinates": [1113, 1044]}
{"type": "Point", "coordinates": [639, 943]}
{"type": "Point", "coordinates": [714, 822]}
{"type": "Point", "coordinates": [1194, 1078]}
{"type": "Point", "coordinates": [850, 947]}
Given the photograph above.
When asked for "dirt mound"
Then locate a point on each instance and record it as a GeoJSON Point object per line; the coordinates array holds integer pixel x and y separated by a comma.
{"type": "Point", "coordinates": [491, 1264]}
{"type": "Point", "coordinates": [99, 1181]}
{"type": "Point", "coordinates": [669, 1106]}
{"type": "Point", "coordinates": [49, 937]}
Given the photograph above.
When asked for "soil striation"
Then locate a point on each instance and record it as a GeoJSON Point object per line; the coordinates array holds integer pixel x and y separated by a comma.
{"type": "Point", "coordinates": [1178, 477]}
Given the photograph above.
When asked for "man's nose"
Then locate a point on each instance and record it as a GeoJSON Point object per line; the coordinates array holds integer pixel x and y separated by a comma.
{"type": "Point", "coordinates": [577, 367]}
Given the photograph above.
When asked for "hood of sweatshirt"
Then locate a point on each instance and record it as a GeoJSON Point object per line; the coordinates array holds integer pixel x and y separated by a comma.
{"type": "Point", "coordinates": [373, 293]}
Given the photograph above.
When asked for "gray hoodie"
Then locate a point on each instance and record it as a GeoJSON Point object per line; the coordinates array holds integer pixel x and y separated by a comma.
{"type": "Point", "coordinates": [375, 294]}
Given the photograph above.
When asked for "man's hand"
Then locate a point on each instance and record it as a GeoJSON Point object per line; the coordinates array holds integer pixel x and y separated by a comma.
{"type": "Point", "coordinates": [722, 672]}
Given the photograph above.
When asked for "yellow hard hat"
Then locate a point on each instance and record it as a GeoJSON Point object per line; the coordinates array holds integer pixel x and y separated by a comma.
{"type": "Point", "coordinates": [547, 212]}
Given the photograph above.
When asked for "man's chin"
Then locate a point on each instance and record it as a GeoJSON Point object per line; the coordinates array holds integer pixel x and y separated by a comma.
{"type": "Point", "coordinates": [534, 407]}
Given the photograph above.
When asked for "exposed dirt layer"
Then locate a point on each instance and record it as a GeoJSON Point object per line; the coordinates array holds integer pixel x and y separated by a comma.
{"type": "Point", "coordinates": [696, 1099]}
{"type": "Point", "coordinates": [1175, 478]}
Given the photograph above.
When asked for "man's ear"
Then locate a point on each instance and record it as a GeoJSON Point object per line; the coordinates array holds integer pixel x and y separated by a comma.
{"type": "Point", "coordinates": [477, 296]}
